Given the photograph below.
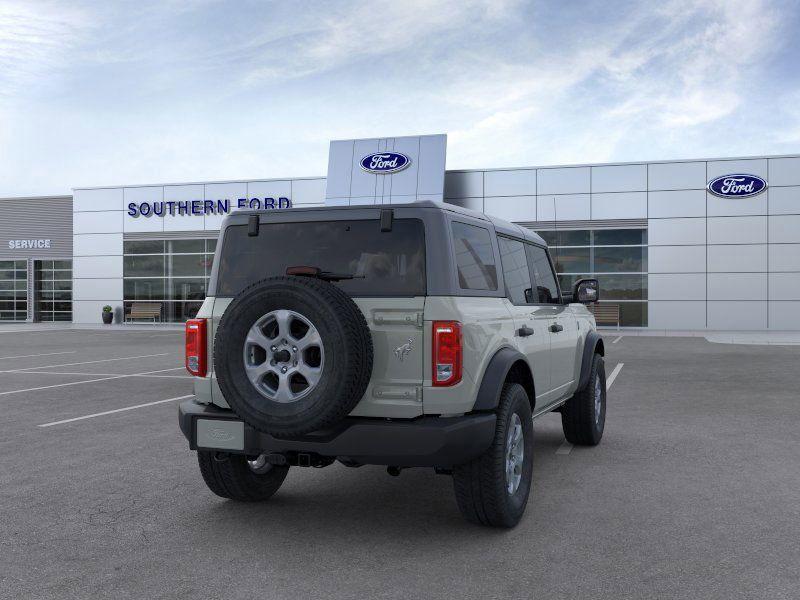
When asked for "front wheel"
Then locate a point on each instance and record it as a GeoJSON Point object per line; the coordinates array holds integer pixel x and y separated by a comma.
{"type": "Point", "coordinates": [493, 489]}
{"type": "Point", "coordinates": [583, 416]}
{"type": "Point", "coordinates": [236, 477]}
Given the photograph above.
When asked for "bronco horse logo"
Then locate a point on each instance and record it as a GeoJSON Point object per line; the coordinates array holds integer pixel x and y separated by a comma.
{"type": "Point", "coordinates": [401, 351]}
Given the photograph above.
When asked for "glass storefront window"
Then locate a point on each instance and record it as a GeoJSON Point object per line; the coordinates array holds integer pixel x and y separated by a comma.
{"type": "Point", "coordinates": [631, 314]}
{"type": "Point", "coordinates": [623, 287]}
{"type": "Point", "coordinates": [620, 237]}
{"type": "Point", "coordinates": [572, 260]}
{"type": "Point", "coordinates": [186, 246]}
{"type": "Point", "coordinates": [616, 257]}
{"type": "Point", "coordinates": [580, 237]}
{"type": "Point", "coordinates": [620, 260]}
{"type": "Point", "coordinates": [575, 237]}
{"type": "Point", "coordinates": [171, 273]}
{"type": "Point", "coordinates": [144, 289]}
{"type": "Point", "coordinates": [188, 289]}
{"type": "Point", "coordinates": [143, 247]}
{"type": "Point", "coordinates": [143, 266]}
{"type": "Point", "coordinates": [187, 265]}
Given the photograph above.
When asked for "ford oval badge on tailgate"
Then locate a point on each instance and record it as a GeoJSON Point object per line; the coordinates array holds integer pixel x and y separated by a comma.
{"type": "Point", "coordinates": [737, 186]}
{"type": "Point", "coordinates": [384, 163]}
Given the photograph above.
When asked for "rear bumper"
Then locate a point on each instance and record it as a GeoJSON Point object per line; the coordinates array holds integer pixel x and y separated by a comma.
{"type": "Point", "coordinates": [422, 442]}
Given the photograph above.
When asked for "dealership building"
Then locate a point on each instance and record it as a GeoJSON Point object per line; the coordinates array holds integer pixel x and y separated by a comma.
{"type": "Point", "coordinates": [682, 244]}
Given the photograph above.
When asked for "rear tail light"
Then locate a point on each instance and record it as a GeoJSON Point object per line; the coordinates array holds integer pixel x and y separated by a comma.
{"type": "Point", "coordinates": [196, 351]}
{"type": "Point", "coordinates": [447, 353]}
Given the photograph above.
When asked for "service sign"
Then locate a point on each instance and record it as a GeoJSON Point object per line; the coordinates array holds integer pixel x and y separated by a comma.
{"type": "Point", "coordinates": [737, 186]}
{"type": "Point", "coordinates": [385, 163]}
{"type": "Point", "coordinates": [29, 244]}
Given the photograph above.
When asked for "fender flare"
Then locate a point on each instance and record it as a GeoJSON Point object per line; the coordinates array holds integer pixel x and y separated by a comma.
{"type": "Point", "coordinates": [593, 345]}
{"type": "Point", "coordinates": [495, 376]}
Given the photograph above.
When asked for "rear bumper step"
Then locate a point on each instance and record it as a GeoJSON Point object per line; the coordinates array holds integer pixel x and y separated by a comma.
{"type": "Point", "coordinates": [423, 442]}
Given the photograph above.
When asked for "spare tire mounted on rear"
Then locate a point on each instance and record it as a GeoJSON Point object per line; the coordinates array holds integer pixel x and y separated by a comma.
{"type": "Point", "coordinates": [292, 355]}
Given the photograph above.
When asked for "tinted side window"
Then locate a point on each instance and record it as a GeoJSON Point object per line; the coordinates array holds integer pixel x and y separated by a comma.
{"type": "Point", "coordinates": [474, 257]}
{"type": "Point", "coordinates": [545, 280]}
{"type": "Point", "coordinates": [515, 271]}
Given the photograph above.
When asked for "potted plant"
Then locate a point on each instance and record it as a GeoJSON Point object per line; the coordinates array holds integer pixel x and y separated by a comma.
{"type": "Point", "coordinates": [108, 314]}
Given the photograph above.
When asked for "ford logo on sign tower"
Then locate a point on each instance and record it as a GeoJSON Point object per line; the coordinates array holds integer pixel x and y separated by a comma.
{"type": "Point", "coordinates": [737, 186]}
{"type": "Point", "coordinates": [384, 163]}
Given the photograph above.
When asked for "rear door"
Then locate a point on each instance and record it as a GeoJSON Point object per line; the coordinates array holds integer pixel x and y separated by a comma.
{"type": "Point", "coordinates": [382, 270]}
{"type": "Point", "coordinates": [531, 334]}
{"type": "Point", "coordinates": [559, 320]}
{"type": "Point", "coordinates": [395, 388]}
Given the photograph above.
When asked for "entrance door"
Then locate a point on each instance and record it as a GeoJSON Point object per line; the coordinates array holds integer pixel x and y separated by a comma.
{"type": "Point", "coordinates": [13, 290]}
{"type": "Point", "coordinates": [53, 290]}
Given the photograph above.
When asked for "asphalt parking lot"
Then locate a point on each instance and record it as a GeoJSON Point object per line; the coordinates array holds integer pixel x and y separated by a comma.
{"type": "Point", "coordinates": [693, 492]}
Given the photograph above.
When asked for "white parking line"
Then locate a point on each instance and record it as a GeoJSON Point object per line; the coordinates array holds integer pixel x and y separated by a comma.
{"type": "Point", "coordinates": [118, 410]}
{"type": "Point", "coordinates": [566, 447]}
{"type": "Point", "coordinates": [187, 376]}
{"type": "Point", "coordinates": [46, 330]}
{"type": "Point", "coordinates": [47, 387]}
{"type": "Point", "coordinates": [610, 379]}
{"type": "Point", "coordinates": [86, 362]}
{"type": "Point", "coordinates": [616, 340]}
{"type": "Point", "coordinates": [35, 355]}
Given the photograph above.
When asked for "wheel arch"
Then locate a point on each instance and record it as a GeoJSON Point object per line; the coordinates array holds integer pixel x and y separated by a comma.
{"type": "Point", "coordinates": [593, 345]}
{"type": "Point", "coordinates": [507, 365]}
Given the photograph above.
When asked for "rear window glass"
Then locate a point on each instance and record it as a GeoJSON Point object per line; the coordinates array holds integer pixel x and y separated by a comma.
{"type": "Point", "coordinates": [474, 257]}
{"type": "Point", "coordinates": [388, 263]}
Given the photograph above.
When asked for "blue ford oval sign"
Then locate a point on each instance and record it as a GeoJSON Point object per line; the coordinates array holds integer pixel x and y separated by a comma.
{"type": "Point", "coordinates": [384, 163]}
{"type": "Point", "coordinates": [737, 186]}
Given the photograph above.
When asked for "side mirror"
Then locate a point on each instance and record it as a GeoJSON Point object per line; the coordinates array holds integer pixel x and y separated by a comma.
{"type": "Point", "coordinates": [586, 291]}
{"type": "Point", "coordinates": [529, 295]}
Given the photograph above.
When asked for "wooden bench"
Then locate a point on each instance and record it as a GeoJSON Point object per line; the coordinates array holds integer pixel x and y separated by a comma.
{"type": "Point", "coordinates": [144, 310]}
{"type": "Point", "coordinates": [605, 313]}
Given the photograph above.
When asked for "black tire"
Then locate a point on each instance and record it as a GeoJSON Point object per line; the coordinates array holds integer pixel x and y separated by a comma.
{"type": "Point", "coordinates": [347, 344]}
{"type": "Point", "coordinates": [583, 424]}
{"type": "Point", "coordinates": [230, 476]}
{"type": "Point", "coordinates": [481, 485]}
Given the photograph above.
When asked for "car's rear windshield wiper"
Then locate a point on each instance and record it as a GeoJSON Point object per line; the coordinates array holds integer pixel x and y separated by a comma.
{"type": "Point", "coordinates": [304, 271]}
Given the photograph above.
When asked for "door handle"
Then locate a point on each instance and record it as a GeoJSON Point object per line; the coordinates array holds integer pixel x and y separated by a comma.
{"type": "Point", "coordinates": [555, 328]}
{"type": "Point", "coordinates": [524, 331]}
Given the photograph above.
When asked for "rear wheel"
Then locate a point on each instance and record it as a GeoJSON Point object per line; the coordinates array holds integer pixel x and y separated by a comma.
{"type": "Point", "coordinates": [493, 489]}
{"type": "Point", "coordinates": [583, 416]}
{"type": "Point", "coordinates": [238, 477]}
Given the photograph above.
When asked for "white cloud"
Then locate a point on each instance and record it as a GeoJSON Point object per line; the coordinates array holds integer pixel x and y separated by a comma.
{"type": "Point", "coordinates": [95, 93]}
{"type": "Point", "coordinates": [664, 67]}
{"type": "Point", "coordinates": [350, 32]}
{"type": "Point", "coordinates": [34, 39]}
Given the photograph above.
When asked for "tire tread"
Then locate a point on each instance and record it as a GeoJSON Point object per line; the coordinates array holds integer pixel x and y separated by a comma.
{"type": "Point", "coordinates": [577, 413]}
{"type": "Point", "coordinates": [232, 478]}
{"type": "Point", "coordinates": [479, 485]}
{"type": "Point", "coordinates": [354, 380]}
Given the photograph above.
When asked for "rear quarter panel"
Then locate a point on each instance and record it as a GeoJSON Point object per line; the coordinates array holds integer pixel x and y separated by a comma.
{"type": "Point", "coordinates": [486, 327]}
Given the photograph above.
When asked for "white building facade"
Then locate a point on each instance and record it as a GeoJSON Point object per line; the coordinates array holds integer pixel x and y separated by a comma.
{"type": "Point", "coordinates": [669, 252]}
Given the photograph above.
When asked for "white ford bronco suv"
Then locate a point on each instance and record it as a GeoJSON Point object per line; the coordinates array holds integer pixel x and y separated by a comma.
{"type": "Point", "coordinates": [408, 335]}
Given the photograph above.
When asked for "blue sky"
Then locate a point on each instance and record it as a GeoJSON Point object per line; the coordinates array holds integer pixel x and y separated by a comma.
{"type": "Point", "coordinates": [95, 93]}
